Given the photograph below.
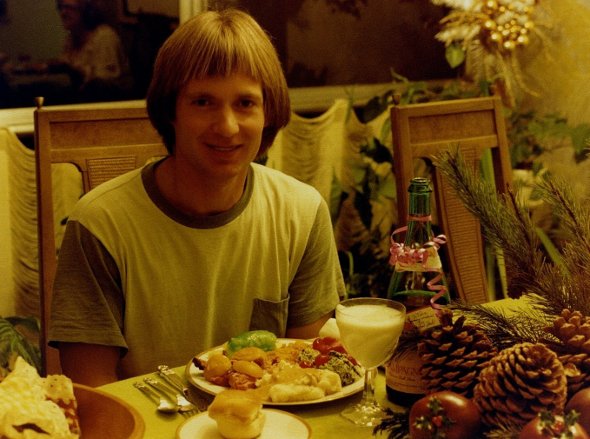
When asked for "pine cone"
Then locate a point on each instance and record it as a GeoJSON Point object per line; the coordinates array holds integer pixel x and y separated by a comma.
{"type": "Point", "coordinates": [572, 328]}
{"type": "Point", "coordinates": [453, 355]}
{"type": "Point", "coordinates": [518, 383]}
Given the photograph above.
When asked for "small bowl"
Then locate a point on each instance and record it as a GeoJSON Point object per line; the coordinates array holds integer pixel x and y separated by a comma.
{"type": "Point", "coordinates": [105, 416]}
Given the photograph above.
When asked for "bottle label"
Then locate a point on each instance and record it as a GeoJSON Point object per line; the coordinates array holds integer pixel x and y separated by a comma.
{"type": "Point", "coordinates": [421, 260]}
{"type": "Point", "coordinates": [423, 318]}
{"type": "Point", "coordinates": [403, 372]}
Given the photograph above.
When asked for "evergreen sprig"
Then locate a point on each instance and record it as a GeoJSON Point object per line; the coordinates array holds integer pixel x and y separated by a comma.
{"type": "Point", "coordinates": [507, 327]}
{"type": "Point", "coordinates": [506, 224]}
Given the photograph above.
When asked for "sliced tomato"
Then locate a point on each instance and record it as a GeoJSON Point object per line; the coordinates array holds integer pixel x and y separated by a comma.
{"type": "Point", "coordinates": [327, 344]}
{"type": "Point", "coordinates": [306, 364]}
{"type": "Point", "coordinates": [321, 360]}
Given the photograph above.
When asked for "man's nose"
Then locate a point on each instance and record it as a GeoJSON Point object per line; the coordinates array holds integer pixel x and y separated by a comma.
{"type": "Point", "coordinates": [226, 122]}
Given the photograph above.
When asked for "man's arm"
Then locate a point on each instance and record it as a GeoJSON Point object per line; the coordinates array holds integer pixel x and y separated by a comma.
{"type": "Point", "coordinates": [308, 331]}
{"type": "Point", "coordinates": [89, 364]}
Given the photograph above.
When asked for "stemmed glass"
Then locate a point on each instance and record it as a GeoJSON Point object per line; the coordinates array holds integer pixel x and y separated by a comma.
{"type": "Point", "coordinates": [369, 330]}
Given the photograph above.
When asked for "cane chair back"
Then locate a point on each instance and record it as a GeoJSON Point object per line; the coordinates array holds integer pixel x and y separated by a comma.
{"type": "Point", "coordinates": [475, 126]}
{"type": "Point", "coordinates": [102, 141]}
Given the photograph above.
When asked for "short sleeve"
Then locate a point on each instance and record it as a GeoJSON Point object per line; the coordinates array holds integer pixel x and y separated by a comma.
{"type": "Point", "coordinates": [318, 284]}
{"type": "Point", "coordinates": [87, 304]}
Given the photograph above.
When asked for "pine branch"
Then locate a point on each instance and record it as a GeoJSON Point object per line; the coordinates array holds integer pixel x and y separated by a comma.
{"type": "Point", "coordinates": [506, 330]}
{"type": "Point", "coordinates": [575, 218]}
{"type": "Point", "coordinates": [504, 223]}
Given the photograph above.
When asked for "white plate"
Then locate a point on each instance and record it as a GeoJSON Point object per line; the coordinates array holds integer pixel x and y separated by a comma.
{"type": "Point", "coordinates": [194, 375]}
{"type": "Point", "coordinates": [277, 423]}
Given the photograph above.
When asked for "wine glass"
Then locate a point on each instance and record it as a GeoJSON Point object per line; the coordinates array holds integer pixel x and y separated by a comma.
{"type": "Point", "coordinates": [369, 330]}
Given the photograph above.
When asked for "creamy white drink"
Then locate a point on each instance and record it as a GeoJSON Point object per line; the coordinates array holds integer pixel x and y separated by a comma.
{"type": "Point", "coordinates": [369, 332]}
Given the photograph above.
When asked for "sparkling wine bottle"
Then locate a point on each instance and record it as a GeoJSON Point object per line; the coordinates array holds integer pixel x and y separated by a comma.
{"type": "Point", "coordinates": [418, 282]}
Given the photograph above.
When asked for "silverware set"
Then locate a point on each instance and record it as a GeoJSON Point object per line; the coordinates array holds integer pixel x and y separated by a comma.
{"type": "Point", "coordinates": [170, 394]}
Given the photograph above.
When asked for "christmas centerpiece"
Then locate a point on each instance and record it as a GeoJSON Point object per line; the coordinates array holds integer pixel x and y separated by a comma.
{"type": "Point", "coordinates": [526, 369]}
{"type": "Point", "coordinates": [487, 35]}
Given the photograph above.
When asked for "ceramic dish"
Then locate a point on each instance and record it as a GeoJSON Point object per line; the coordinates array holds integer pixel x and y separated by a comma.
{"type": "Point", "coordinates": [103, 415]}
{"type": "Point", "coordinates": [195, 376]}
{"type": "Point", "coordinates": [277, 423]}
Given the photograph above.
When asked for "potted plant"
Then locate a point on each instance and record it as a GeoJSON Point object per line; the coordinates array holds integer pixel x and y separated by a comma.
{"type": "Point", "coordinates": [19, 337]}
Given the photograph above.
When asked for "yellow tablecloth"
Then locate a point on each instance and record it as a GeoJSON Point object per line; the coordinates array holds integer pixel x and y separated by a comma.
{"type": "Point", "coordinates": [324, 418]}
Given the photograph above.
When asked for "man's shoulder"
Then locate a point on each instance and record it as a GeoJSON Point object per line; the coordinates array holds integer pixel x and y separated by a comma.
{"type": "Point", "coordinates": [273, 178]}
{"type": "Point", "coordinates": [111, 192]}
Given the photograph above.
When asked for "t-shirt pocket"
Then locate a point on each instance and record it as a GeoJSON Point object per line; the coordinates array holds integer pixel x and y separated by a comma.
{"type": "Point", "coordinates": [270, 315]}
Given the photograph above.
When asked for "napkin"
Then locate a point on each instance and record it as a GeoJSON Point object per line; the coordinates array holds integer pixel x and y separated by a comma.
{"type": "Point", "coordinates": [330, 329]}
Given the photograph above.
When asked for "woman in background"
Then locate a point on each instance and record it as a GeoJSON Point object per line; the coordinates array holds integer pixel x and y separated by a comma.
{"type": "Point", "coordinates": [93, 53]}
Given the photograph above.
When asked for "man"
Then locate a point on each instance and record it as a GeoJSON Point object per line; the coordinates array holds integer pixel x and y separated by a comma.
{"type": "Point", "coordinates": [164, 262]}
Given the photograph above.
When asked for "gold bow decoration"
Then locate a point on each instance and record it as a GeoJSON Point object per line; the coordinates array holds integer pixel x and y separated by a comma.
{"type": "Point", "coordinates": [486, 35]}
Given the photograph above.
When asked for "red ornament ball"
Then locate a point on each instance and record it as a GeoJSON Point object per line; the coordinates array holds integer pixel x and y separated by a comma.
{"type": "Point", "coordinates": [444, 414]}
{"type": "Point", "coordinates": [580, 402]}
{"type": "Point", "coordinates": [549, 426]}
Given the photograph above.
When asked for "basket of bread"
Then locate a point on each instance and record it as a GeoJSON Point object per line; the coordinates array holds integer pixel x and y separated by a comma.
{"type": "Point", "coordinates": [32, 406]}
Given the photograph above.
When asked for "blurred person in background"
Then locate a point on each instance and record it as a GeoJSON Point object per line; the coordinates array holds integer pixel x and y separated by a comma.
{"type": "Point", "coordinates": [93, 54]}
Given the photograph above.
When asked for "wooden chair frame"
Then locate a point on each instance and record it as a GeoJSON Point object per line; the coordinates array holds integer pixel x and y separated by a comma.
{"type": "Point", "coordinates": [102, 141]}
{"type": "Point", "coordinates": [474, 126]}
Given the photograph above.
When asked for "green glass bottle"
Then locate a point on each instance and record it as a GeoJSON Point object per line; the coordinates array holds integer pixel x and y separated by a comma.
{"type": "Point", "coordinates": [418, 282]}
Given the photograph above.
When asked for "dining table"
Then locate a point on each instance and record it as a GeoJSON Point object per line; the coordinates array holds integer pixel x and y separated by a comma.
{"type": "Point", "coordinates": [323, 418]}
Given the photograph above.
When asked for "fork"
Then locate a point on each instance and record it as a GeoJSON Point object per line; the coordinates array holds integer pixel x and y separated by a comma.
{"type": "Point", "coordinates": [184, 405]}
{"type": "Point", "coordinates": [164, 405]}
{"type": "Point", "coordinates": [174, 380]}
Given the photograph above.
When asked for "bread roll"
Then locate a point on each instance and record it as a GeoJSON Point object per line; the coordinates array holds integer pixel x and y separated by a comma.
{"type": "Point", "coordinates": [238, 414]}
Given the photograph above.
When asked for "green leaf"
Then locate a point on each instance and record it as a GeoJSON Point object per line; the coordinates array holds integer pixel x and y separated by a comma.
{"type": "Point", "coordinates": [377, 151]}
{"type": "Point", "coordinates": [30, 323]}
{"type": "Point", "coordinates": [375, 107]}
{"type": "Point", "coordinates": [363, 206]}
{"type": "Point", "coordinates": [12, 342]}
{"type": "Point", "coordinates": [387, 187]}
{"type": "Point", "coordinates": [580, 135]}
{"type": "Point", "coordinates": [358, 175]}
{"type": "Point", "coordinates": [337, 196]}
{"type": "Point", "coordinates": [455, 55]}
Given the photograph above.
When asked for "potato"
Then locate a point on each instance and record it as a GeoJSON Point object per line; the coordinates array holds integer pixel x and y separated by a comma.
{"type": "Point", "coordinates": [248, 368]}
{"type": "Point", "coordinates": [217, 365]}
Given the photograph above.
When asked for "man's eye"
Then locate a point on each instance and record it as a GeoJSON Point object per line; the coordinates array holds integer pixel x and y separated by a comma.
{"type": "Point", "coordinates": [246, 103]}
{"type": "Point", "coordinates": [201, 102]}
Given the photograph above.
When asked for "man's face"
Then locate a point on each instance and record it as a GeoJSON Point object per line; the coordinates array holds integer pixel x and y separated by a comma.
{"type": "Point", "coordinates": [218, 125]}
{"type": "Point", "coordinates": [70, 13]}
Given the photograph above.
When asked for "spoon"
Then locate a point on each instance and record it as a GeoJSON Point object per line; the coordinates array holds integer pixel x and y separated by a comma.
{"type": "Point", "coordinates": [172, 378]}
{"type": "Point", "coordinates": [182, 404]}
{"type": "Point", "coordinates": [163, 405]}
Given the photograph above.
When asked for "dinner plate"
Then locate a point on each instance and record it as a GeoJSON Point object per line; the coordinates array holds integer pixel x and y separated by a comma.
{"type": "Point", "coordinates": [194, 375]}
{"type": "Point", "coordinates": [277, 423]}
